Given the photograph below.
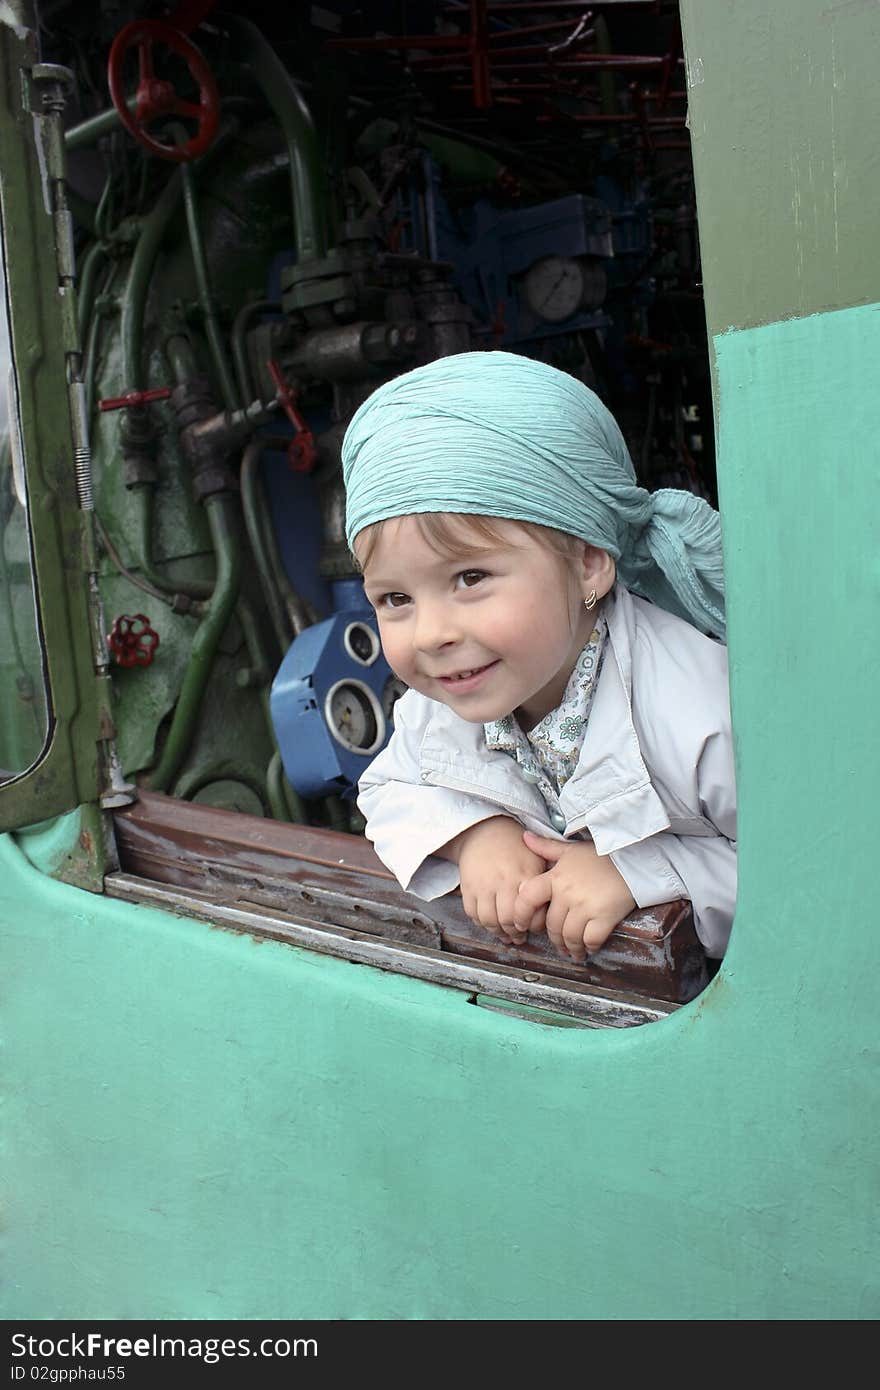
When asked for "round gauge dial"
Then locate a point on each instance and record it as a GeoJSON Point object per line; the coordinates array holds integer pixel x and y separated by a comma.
{"type": "Point", "coordinates": [354, 716]}
{"type": "Point", "coordinates": [394, 688]}
{"type": "Point", "coordinates": [558, 286]}
{"type": "Point", "coordinates": [361, 642]}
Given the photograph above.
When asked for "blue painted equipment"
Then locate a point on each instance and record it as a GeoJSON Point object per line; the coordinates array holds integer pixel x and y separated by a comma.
{"type": "Point", "coordinates": [332, 698]}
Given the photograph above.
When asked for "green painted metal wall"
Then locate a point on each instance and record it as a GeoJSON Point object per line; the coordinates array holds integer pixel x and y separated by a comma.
{"type": "Point", "coordinates": [201, 1126]}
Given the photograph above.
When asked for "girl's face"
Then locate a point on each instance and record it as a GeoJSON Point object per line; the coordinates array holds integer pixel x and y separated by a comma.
{"type": "Point", "coordinates": [490, 630]}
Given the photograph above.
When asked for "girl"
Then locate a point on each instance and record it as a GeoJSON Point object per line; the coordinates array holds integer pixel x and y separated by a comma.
{"type": "Point", "coordinates": [564, 750]}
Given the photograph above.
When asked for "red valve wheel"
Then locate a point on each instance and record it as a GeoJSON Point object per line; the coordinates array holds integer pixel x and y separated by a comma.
{"type": "Point", "coordinates": [132, 641]}
{"type": "Point", "coordinates": [302, 453]}
{"type": "Point", "coordinates": [157, 98]}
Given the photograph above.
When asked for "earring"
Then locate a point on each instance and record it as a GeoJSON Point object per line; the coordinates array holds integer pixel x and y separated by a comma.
{"type": "Point", "coordinates": [591, 601]}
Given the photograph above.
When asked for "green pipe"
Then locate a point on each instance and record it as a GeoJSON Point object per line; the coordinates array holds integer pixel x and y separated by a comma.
{"type": "Point", "coordinates": [250, 488]}
{"type": "Point", "coordinates": [181, 358]}
{"type": "Point", "coordinates": [293, 115]}
{"type": "Point", "coordinates": [298, 615]}
{"type": "Point", "coordinates": [260, 669]}
{"type": "Point", "coordinates": [286, 803]}
{"type": "Point", "coordinates": [239, 349]}
{"type": "Point", "coordinates": [91, 130]}
{"type": "Point", "coordinates": [102, 211]}
{"type": "Point", "coordinates": [277, 804]}
{"type": "Point", "coordinates": [200, 264]}
{"type": "Point", "coordinates": [140, 273]}
{"type": "Point", "coordinates": [90, 357]}
{"type": "Point", "coordinates": [221, 519]}
{"type": "Point", "coordinates": [103, 306]}
{"type": "Point", "coordinates": [88, 276]}
{"type": "Point", "coordinates": [141, 499]}
{"type": "Point", "coordinates": [296, 807]}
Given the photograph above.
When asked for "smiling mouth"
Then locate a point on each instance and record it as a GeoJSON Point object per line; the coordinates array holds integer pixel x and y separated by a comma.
{"type": "Point", "coordinates": [460, 678]}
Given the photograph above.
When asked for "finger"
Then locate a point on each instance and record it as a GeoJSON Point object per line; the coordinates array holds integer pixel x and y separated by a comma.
{"type": "Point", "coordinates": [548, 849]}
{"type": "Point", "coordinates": [504, 911]}
{"type": "Point", "coordinates": [556, 914]}
{"type": "Point", "coordinates": [539, 920]}
{"type": "Point", "coordinates": [485, 914]}
{"type": "Point", "coordinates": [533, 893]}
{"type": "Point", "coordinates": [596, 932]}
{"type": "Point", "coordinates": [573, 932]}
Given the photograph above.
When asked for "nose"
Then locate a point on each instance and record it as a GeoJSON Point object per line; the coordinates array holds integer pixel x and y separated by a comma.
{"type": "Point", "coordinates": [436, 625]}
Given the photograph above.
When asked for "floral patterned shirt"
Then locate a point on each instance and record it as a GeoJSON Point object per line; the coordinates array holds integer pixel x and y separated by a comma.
{"type": "Point", "coordinates": [548, 754]}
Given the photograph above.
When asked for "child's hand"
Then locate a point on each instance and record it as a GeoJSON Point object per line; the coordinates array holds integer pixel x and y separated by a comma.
{"type": "Point", "coordinates": [587, 896]}
{"type": "Point", "coordinates": [493, 862]}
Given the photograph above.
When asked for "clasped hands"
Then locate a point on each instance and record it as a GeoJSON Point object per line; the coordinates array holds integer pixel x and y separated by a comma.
{"type": "Point", "coordinates": [514, 882]}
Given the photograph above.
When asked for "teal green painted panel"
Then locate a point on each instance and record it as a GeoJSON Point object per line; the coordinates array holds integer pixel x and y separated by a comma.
{"type": "Point", "coordinates": [799, 408]}
{"type": "Point", "coordinates": [197, 1125]}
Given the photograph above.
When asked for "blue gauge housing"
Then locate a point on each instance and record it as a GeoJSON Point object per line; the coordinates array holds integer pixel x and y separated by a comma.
{"type": "Point", "coordinates": [331, 700]}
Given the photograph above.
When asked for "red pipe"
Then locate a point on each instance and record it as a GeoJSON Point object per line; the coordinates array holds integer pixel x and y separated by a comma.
{"type": "Point", "coordinates": [479, 49]}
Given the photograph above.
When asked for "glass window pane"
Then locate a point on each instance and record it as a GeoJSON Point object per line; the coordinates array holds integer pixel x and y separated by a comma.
{"type": "Point", "coordinates": [24, 719]}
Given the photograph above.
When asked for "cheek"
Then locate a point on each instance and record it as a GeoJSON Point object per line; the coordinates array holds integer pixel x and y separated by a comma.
{"type": "Point", "coordinates": [394, 646]}
{"type": "Point", "coordinates": [532, 625]}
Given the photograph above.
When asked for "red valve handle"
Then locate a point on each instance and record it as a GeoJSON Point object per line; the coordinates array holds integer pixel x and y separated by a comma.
{"type": "Point", "coordinates": [302, 455]}
{"type": "Point", "coordinates": [134, 398]}
{"type": "Point", "coordinates": [132, 641]}
{"type": "Point", "coordinates": [158, 98]}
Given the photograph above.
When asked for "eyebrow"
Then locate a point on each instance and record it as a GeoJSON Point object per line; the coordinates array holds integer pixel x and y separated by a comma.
{"type": "Point", "coordinates": [460, 557]}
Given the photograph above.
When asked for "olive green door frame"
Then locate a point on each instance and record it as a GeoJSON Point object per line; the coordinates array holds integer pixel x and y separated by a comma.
{"type": "Point", "coordinates": [37, 249]}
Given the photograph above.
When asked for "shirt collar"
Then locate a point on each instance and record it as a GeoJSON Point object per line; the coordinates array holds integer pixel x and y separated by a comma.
{"type": "Point", "coordinates": [553, 745]}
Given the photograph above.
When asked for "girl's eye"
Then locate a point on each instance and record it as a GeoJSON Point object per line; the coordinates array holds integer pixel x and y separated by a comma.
{"type": "Point", "coordinates": [468, 578]}
{"type": "Point", "coordinates": [393, 600]}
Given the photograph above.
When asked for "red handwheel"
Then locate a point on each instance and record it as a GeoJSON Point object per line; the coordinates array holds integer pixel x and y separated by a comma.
{"type": "Point", "coordinates": [157, 98]}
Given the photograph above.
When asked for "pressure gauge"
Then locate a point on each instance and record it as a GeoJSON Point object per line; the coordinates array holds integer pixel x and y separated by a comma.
{"type": "Point", "coordinates": [361, 643]}
{"type": "Point", "coordinates": [557, 287]}
{"type": "Point", "coordinates": [354, 716]}
{"type": "Point", "coordinates": [394, 688]}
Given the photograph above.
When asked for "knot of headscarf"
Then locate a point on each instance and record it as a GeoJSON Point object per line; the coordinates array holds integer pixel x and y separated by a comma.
{"type": "Point", "coordinates": [495, 434]}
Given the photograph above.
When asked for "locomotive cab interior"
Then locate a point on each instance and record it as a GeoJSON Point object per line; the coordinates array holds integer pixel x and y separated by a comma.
{"type": "Point", "coordinates": [258, 216]}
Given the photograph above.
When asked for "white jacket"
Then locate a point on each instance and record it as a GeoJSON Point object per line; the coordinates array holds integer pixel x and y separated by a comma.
{"type": "Point", "coordinates": [654, 785]}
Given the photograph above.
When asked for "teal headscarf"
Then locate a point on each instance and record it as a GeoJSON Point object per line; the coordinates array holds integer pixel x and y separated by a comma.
{"type": "Point", "coordinates": [495, 434]}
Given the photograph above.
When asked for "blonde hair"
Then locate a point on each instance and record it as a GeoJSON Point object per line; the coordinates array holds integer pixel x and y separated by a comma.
{"type": "Point", "coordinates": [451, 532]}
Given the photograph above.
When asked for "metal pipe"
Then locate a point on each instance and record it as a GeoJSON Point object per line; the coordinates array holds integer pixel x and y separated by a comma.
{"type": "Point", "coordinates": [250, 485]}
{"type": "Point", "coordinates": [283, 95]}
{"type": "Point", "coordinates": [88, 131]}
{"type": "Point", "coordinates": [246, 392]}
{"type": "Point", "coordinates": [88, 276]}
{"type": "Point", "coordinates": [299, 611]}
{"type": "Point", "coordinates": [200, 264]}
{"type": "Point", "coordinates": [153, 229]}
{"type": "Point", "coordinates": [221, 520]}
{"type": "Point", "coordinates": [141, 496]}
{"type": "Point", "coordinates": [286, 803]}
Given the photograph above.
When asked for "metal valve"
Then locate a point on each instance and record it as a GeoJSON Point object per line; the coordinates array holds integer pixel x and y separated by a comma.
{"type": "Point", "coordinates": [132, 640]}
{"type": "Point", "coordinates": [133, 399]}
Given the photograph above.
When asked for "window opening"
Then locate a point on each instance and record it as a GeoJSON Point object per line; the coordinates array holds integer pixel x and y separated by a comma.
{"type": "Point", "coordinates": [244, 283]}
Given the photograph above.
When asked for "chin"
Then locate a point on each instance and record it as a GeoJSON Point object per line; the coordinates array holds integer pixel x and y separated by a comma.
{"type": "Point", "coordinates": [486, 715]}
